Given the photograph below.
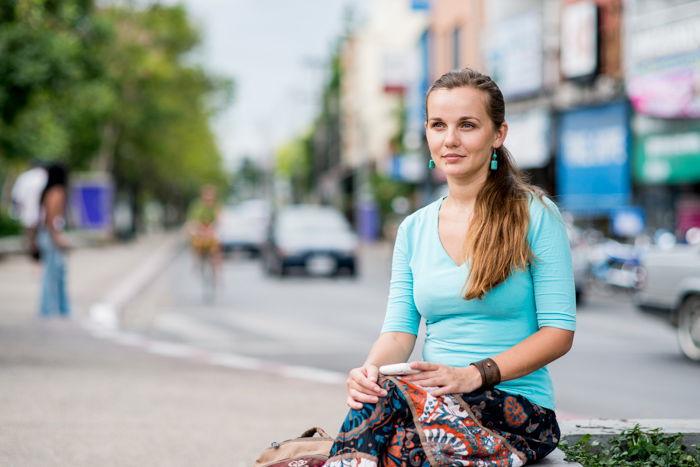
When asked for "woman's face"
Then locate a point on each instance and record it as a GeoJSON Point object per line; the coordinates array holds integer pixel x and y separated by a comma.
{"type": "Point", "coordinates": [461, 136]}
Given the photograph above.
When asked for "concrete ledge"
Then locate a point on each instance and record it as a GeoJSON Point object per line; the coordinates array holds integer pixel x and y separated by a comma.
{"type": "Point", "coordinates": [604, 429]}
{"type": "Point", "coordinates": [556, 459]}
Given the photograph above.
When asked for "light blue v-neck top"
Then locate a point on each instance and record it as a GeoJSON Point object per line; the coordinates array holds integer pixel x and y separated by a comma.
{"type": "Point", "coordinates": [426, 282]}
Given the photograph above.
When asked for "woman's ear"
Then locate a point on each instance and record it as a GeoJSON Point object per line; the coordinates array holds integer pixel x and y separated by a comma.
{"type": "Point", "coordinates": [501, 134]}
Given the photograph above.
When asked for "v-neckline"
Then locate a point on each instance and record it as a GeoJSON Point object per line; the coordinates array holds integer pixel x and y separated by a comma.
{"type": "Point", "coordinates": [439, 240]}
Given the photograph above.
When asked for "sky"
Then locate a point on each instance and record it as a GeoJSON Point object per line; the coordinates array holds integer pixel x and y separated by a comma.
{"type": "Point", "coordinates": [277, 53]}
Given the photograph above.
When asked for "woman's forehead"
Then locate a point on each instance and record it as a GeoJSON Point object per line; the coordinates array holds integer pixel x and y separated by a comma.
{"type": "Point", "coordinates": [462, 100]}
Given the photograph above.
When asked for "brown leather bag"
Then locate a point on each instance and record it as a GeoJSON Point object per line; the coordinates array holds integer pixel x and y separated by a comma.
{"type": "Point", "coordinates": [304, 451]}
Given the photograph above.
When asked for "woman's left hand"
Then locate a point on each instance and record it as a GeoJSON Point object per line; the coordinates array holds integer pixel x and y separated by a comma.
{"type": "Point", "coordinates": [447, 379]}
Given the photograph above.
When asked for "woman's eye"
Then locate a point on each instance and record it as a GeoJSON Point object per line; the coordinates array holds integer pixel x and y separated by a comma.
{"type": "Point", "coordinates": [438, 125]}
{"type": "Point", "coordinates": [467, 125]}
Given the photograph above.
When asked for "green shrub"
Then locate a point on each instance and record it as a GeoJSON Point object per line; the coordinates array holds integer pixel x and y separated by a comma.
{"type": "Point", "coordinates": [8, 225]}
{"type": "Point", "coordinates": [633, 447]}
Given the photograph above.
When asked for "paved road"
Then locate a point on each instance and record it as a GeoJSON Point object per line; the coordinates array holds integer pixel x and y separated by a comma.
{"type": "Point", "coordinates": [624, 364]}
{"type": "Point", "coordinates": [69, 399]}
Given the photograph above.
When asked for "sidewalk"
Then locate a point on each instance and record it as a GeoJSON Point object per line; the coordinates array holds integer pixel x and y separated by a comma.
{"type": "Point", "coordinates": [70, 399]}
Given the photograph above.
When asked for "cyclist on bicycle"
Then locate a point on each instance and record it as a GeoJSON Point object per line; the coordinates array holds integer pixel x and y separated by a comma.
{"type": "Point", "coordinates": [201, 228]}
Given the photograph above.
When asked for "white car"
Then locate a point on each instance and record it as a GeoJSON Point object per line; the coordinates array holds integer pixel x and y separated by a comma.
{"type": "Point", "coordinates": [671, 287]}
{"type": "Point", "coordinates": [243, 226]}
{"type": "Point", "coordinates": [317, 239]}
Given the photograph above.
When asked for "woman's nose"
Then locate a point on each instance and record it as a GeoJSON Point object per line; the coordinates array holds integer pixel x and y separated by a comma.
{"type": "Point", "coordinates": [451, 138]}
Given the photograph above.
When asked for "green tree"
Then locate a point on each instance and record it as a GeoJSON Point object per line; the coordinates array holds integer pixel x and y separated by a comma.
{"type": "Point", "coordinates": [50, 80]}
{"type": "Point", "coordinates": [113, 88]}
{"type": "Point", "coordinates": [294, 162]}
{"type": "Point", "coordinates": [158, 141]}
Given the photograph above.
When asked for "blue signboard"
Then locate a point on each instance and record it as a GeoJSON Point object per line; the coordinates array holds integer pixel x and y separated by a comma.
{"type": "Point", "coordinates": [420, 4]}
{"type": "Point", "coordinates": [91, 202]}
{"type": "Point", "coordinates": [593, 163]}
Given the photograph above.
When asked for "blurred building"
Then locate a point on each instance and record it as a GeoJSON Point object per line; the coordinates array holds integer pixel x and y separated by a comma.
{"type": "Point", "coordinates": [662, 77]}
{"type": "Point", "coordinates": [603, 102]}
{"type": "Point", "coordinates": [519, 44]}
{"type": "Point", "coordinates": [380, 61]}
{"type": "Point", "coordinates": [592, 142]}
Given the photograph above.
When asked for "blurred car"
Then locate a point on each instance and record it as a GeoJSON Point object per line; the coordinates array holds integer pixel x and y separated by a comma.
{"type": "Point", "coordinates": [579, 260]}
{"type": "Point", "coordinates": [317, 239]}
{"type": "Point", "coordinates": [671, 289]}
{"type": "Point", "coordinates": [243, 226]}
{"type": "Point", "coordinates": [616, 265]}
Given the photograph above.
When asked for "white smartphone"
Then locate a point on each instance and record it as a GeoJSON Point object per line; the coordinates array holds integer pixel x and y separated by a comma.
{"type": "Point", "coordinates": [397, 369]}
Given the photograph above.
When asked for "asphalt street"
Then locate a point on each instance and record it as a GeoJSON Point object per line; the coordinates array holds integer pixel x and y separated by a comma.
{"type": "Point", "coordinates": [624, 364]}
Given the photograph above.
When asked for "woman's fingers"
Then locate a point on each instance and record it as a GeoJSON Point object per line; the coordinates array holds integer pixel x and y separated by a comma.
{"type": "Point", "coordinates": [359, 381]}
{"type": "Point", "coordinates": [425, 366]}
{"type": "Point", "coordinates": [353, 404]}
{"type": "Point", "coordinates": [372, 373]}
{"type": "Point", "coordinates": [367, 387]}
{"type": "Point", "coordinates": [357, 399]}
{"type": "Point", "coordinates": [363, 388]}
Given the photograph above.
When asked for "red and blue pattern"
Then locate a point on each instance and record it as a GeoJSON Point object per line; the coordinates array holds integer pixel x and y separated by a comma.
{"type": "Point", "coordinates": [412, 428]}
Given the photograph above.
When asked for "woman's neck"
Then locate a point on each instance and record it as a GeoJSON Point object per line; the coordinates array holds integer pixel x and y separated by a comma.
{"type": "Point", "coordinates": [462, 195]}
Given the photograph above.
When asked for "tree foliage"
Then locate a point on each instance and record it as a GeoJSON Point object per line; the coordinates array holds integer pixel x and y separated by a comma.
{"type": "Point", "coordinates": [111, 87]}
{"type": "Point", "coordinates": [294, 162]}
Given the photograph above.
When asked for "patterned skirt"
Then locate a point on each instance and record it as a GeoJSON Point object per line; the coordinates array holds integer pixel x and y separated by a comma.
{"type": "Point", "coordinates": [409, 427]}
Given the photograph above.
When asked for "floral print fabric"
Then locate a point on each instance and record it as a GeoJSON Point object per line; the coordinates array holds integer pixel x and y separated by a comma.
{"type": "Point", "coordinates": [409, 427]}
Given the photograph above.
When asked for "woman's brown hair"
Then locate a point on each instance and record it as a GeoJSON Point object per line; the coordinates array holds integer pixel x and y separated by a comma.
{"type": "Point", "coordinates": [496, 243]}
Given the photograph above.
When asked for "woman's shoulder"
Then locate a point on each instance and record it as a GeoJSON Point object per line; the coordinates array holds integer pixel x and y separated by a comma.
{"type": "Point", "coordinates": [544, 213]}
{"type": "Point", "coordinates": [539, 203]}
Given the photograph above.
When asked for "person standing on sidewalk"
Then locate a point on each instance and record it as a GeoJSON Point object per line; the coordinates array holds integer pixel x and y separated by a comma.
{"type": "Point", "coordinates": [489, 268]}
{"type": "Point", "coordinates": [53, 244]}
{"type": "Point", "coordinates": [26, 194]}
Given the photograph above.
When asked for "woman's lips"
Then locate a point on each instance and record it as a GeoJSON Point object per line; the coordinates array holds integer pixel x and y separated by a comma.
{"type": "Point", "coordinates": [452, 157]}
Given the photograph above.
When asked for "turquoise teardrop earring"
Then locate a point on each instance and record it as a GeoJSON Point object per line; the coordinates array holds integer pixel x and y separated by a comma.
{"type": "Point", "coordinates": [494, 162]}
{"type": "Point", "coordinates": [431, 164]}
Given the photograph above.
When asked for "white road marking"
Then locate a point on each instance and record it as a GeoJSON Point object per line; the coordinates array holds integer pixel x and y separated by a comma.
{"type": "Point", "coordinates": [222, 359]}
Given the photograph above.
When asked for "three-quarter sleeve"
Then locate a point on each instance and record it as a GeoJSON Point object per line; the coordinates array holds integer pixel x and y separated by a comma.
{"type": "Point", "coordinates": [401, 312]}
{"type": "Point", "coordinates": [552, 271]}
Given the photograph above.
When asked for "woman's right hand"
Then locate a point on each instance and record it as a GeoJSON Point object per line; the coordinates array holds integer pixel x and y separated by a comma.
{"type": "Point", "coordinates": [362, 386]}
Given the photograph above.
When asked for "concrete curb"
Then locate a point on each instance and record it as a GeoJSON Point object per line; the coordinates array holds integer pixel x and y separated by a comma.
{"type": "Point", "coordinates": [107, 312]}
{"type": "Point", "coordinates": [604, 429]}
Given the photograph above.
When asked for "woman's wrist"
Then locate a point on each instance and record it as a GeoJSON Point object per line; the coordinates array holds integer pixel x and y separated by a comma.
{"type": "Point", "coordinates": [489, 372]}
{"type": "Point", "coordinates": [472, 379]}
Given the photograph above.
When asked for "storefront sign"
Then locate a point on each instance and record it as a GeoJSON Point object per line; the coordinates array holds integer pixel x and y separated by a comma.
{"type": "Point", "coordinates": [397, 68]}
{"type": "Point", "coordinates": [667, 151]}
{"type": "Point", "coordinates": [528, 138]}
{"type": "Point", "coordinates": [592, 171]}
{"type": "Point", "coordinates": [514, 54]}
{"type": "Point", "coordinates": [663, 61]}
{"type": "Point", "coordinates": [579, 40]}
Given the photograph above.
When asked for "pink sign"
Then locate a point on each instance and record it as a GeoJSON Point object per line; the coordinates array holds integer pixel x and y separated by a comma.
{"type": "Point", "coordinates": [668, 94]}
